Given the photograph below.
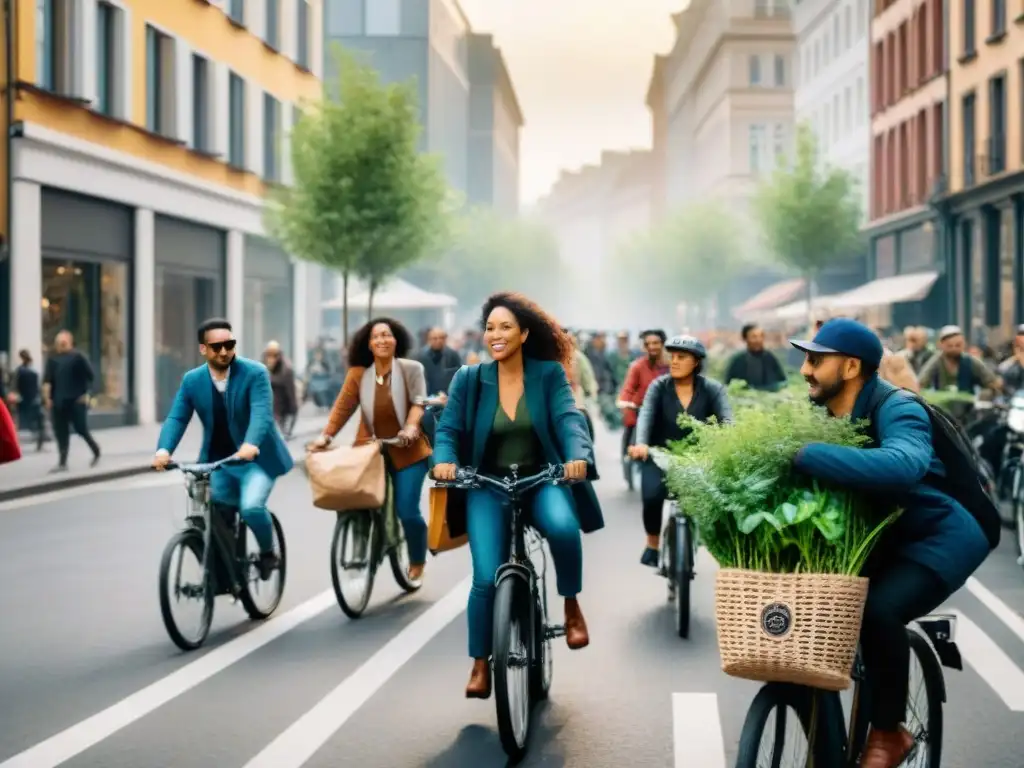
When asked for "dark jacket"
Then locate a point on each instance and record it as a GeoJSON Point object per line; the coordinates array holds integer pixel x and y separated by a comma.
{"type": "Point", "coordinates": [560, 425]}
{"type": "Point", "coordinates": [438, 368]}
{"type": "Point", "coordinates": [282, 384]}
{"type": "Point", "coordinates": [658, 422]}
{"type": "Point", "coordinates": [934, 529]}
{"type": "Point", "coordinates": [761, 370]}
{"type": "Point", "coordinates": [604, 371]}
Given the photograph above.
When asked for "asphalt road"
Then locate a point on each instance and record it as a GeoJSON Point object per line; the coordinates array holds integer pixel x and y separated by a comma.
{"type": "Point", "coordinates": [88, 677]}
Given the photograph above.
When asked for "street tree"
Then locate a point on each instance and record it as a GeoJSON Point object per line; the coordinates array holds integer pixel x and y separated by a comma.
{"type": "Point", "coordinates": [364, 202]}
{"type": "Point", "coordinates": [809, 212]}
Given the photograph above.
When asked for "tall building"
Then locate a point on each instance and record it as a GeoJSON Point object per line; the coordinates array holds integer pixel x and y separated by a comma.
{"type": "Point", "coordinates": [421, 40]}
{"type": "Point", "coordinates": [831, 91]}
{"type": "Point", "coordinates": [728, 97]}
{"type": "Point", "coordinates": [495, 121]}
{"type": "Point", "coordinates": [985, 204]}
{"type": "Point", "coordinates": [659, 138]}
{"type": "Point", "coordinates": [909, 119]}
{"type": "Point", "coordinates": [143, 138]}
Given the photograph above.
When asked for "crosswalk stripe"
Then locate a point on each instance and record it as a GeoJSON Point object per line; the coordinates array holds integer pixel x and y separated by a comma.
{"type": "Point", "coordinates": [697, 731]}
{"type": "Point", "coordinates": [1003, 612]}
{"type": "Point", "coordinates": [990, 662]}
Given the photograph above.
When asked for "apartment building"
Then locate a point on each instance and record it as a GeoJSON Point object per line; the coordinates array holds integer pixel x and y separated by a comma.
{"type": "Point", "coordinates": [655, 102]}
{"type": "Point", "coordinates": [984, 209]}
{"type": "Point", "coordinates": [728, 96]}
{"type": "Point", "coordinates": [909, 119]}
{"type": "Point", "coordinates": [831, 83]}
{"type": "Point", "coordinates": [144, 135]}
{"type": "Point", "coordinates": [495, 122]}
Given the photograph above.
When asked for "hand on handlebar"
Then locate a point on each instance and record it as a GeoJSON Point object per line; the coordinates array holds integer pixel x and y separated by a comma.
{"type": "Point", "coordinates": [160, 460]}
{"type": "Point", "coordinates": [639, 452]}
{"type": "Point", "coordinates": [445, 472]}
{"type": "Point", "coordinates": [575, 470]}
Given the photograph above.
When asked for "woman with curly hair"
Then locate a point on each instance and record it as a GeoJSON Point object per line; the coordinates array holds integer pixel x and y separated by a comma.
{"type": "Point", "coordinates": [523, 412]}
{"type": "Point", "coordinates": [384, 387]}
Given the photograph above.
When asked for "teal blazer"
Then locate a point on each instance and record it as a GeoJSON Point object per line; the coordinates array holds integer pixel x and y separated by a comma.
{"type": "Point", "coordinates": [559, 424]}
{"type": "Point", "coordinates": [250, 405]}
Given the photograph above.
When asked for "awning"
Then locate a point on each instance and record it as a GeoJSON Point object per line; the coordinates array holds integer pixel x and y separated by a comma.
{"type": "Point", "coordinates": [771, 297]}
{"type": "Point", "coordinates": [886, 291]}
{"type": "Point", "coordinates": [395, 294]}
{"type": "Point", "coordinates": [798, 310]}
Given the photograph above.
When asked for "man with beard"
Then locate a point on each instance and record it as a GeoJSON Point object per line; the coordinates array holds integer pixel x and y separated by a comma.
{"type": "Point", "coordinates": [917, 352]}
{"type": "Point", "coordinates": [930, 550]}
{"type": "Point", "coordinates": [953, 368]}
{"type": "Point", "coordinates": [756, 365]}
{"type": "Point", "coordinates": [233, 398]}
{"type": "Point", "coordinates": [440, 362]}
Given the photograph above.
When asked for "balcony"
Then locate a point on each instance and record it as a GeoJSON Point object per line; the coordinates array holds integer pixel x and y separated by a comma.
{"type": "Point", "coordinates": [996, 158]}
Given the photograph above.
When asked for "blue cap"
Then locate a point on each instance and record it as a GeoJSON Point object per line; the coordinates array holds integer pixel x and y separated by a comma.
{"type": "Point", "coordinates": [843, 336]}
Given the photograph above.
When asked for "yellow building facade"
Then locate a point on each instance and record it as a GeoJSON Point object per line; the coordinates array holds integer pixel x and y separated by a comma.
{"type": "Point", "coordinates": [144, 134]}
{"type": "Point", "coordinates": [985, 202]}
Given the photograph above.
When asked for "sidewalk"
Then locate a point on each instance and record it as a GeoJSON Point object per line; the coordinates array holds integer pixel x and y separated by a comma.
{"type": "Point", "coordinates": [126, 451]}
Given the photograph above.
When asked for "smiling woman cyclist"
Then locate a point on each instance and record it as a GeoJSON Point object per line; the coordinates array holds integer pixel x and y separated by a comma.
{"type": "Point", "coordinates": [682, 390]}
{"type": "Point", "coordinates": [524, 414]}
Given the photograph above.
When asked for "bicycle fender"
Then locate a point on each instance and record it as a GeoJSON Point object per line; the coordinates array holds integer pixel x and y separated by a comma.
{"type": "Point", "coordinates": [513, 571]}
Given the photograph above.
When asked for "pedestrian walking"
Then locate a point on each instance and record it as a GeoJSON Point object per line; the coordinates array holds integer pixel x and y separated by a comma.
{"type": "Point", "coordinates": [26, 395]}
{"type": "Point", "coordinates": [282, 382]}
{"type": "Point", "coordinates": [66, 385]}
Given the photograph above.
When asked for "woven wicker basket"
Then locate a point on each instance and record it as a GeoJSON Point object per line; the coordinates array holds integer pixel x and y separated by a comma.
{"type": "Point", "coordinates": [787, 627]}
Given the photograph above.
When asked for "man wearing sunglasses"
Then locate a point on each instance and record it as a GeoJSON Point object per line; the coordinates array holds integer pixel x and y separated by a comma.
{"type": "Point", "coordinates": [234, 401]}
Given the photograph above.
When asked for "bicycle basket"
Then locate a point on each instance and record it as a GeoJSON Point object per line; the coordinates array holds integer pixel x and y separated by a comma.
{"type": "Point", "coordinates": [789, 627]}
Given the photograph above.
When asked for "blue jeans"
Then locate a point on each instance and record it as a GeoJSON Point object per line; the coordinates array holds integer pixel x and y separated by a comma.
{"type": "Point", "coordinates": [488, 523]}
{"type": "Point", "coordinates": [408, 487]}
{"type": "Point", "coordinates": [247, 487]}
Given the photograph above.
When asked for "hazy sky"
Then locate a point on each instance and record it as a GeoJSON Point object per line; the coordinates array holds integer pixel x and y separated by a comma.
{"type": "Point", "coordinates": [580, 69]}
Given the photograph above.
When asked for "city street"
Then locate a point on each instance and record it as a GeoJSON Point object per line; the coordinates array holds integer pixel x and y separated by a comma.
{"type": "Point", "coordinates": [90, 679]}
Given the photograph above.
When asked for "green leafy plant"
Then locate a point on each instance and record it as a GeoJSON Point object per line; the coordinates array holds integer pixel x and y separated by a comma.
{"type": "Point", "coordinates": [753, 509]}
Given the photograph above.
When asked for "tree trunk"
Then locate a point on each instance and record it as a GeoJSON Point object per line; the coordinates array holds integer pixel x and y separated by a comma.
{"type": "Point", "coordinates": [812, 294]}
{"type": "Point", "coordinates": [369, 301]}
{"type": "Point", "coordinates": [344, 308]}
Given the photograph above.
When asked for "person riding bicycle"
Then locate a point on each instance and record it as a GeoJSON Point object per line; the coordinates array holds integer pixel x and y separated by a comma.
{"type": "Point", "coordinates": [522, 413]}
{"type": "Point", "coordinates": [955, 368]}
{"type": "Point", "coordinates": [932, 548]}
{"type": "Point", "coordinates": [582, 380]}
{"type": "Point", "coordinates": [235, 403]}
{"type": "Point", "coordinates": [641, 374]}
{"type": "Point", "coordinates": [385, 388]}
{"type": "Point", "coordinates": [684, 389]}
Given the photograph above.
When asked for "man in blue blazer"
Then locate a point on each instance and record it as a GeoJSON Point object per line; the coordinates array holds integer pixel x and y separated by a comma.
{"type": "Point", "coordinates": [233, 399]}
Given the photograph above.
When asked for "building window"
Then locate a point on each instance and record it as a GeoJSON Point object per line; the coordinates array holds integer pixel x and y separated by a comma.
{"type": "Point", "coordinates": [817, 56]}
{"type": "Point", "coordinates": [236, 121]}
{"type": "Point", "coordinates": [762, 8]}
{"type": "Point", "coordinates": [780, 143]}
{"type": "Point", "coordinates": [968, 138]}
{"type": "Point", "coordinates": [826, 124]}
{"type": "Point", "coordinates": [848, 27]}
{"type": "Point", "coordinates": [756, 141]}
{"type": "Point", "coordinates": [273, 29]}
{"type": "Point", "coordinates": [202, 103]}
{"type": "Point", "coordinates": [754, 70]}
{"type": "Point", "coordinates": [862, 18]}
{"type": "Point", "coordinates": [55, 31]}
{"type": "Point", "coordinates": [160, 97]}
{"type": "Point", "coordinates": [780, 70]}
{"type": "Point", "coordinates": [836, 117]}
{"type": "Point", "coordinates": [848, 109]}
{"type": "Point", "coordinates": [236, 11]}
{"type": "Point", "coordinates": [861, 111]}
{"type": "Point", "coordinates": [836, 36]}
{"type": "Point", "coordinates": [996, 149]}
{"type": "Point", "coordinates": [968, 27]}
{"type": "Point", "coordinates": [998, 17]}
{"type": "Point", "coordinates": [271, 138]}
{"type": "Point", "coordinates": [302, 55]}
{"type": "Point", "coordinates": [106, 58]}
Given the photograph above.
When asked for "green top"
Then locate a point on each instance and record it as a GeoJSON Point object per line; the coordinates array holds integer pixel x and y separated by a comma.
{"type": "Point", "coordinates": [513, 441]}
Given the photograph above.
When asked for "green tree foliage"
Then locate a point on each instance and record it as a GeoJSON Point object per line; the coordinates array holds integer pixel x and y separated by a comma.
{"type": "Point", "coordinates": [364, 201]}
{"type": "Point", "coordinates": [809, 212]}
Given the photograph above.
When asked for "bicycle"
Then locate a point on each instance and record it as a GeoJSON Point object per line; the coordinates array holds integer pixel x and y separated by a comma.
{"type": "Point", "coordinates": [678, 555]}
{"type": "Point", "coordinates": [820, 713]}
{"type": "Point", "coordinates": [630, 467]}
{"type": "Point", "coordinates": [371, 535]}
{"type": "Point", "coordinates": [217, 536]}
{"type": "Point", "coordinates": [522, 666]}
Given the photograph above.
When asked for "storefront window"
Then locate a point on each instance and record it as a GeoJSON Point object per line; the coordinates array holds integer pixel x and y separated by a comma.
{"type": "Point", "coordinates": [268, 316]}
{"type": "Point", "coordinates": [90, 299]}
{"type": "Point", "coordinates": [885, 256]}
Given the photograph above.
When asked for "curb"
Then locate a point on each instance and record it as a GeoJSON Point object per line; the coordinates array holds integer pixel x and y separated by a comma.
{"type": "Point", "coordinates": [77, 481]}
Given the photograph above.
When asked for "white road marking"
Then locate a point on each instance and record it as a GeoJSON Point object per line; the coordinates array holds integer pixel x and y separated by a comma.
{"type": "Point", "coordinates": [697, 731]}
{"type": "Point", "coordinates": [306, 735]}
{"type": "Point", "coordinates": [1003, 612]}
{"type": "Point", "coordinates": [78, 738]}
{"type": "Point", "coordinates": [990, 662]}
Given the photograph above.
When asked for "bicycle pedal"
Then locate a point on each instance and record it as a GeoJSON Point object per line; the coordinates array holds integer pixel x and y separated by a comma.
{"type": "Point", "coordinates": [551, 631]}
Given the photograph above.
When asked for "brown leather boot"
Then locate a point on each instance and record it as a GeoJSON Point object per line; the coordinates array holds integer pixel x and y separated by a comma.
{"type": "Point", "coordinates": [479, 680]}
{"type": "Point", "coordinates": [576, 634]}
{"type": "Point", "coordinates": [886, 749]}
{"type": "Point", "coordinates": [416, 572]}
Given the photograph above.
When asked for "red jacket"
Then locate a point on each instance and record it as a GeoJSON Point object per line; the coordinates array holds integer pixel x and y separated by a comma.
{"type": "Point", "coordinates": [9, 448]}
{"type": "Point", "coordinates": [638, 379]}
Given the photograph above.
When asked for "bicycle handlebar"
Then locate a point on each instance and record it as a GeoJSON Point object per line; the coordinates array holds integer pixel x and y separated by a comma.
{"type": "Point", "coordinates": [201, 469]}
{"type": "Point", "coordinates": [468, 478]}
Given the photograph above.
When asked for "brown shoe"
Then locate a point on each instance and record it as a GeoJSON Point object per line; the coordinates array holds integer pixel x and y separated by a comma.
{"type": "Point", "coordinates": [479, 680]}
{"type": "Point", "coordinates": [416, 572]}
{"type": "Point", "coordinates": [886, 749]}
{"type": "Point", "coordinates": [576, 634]}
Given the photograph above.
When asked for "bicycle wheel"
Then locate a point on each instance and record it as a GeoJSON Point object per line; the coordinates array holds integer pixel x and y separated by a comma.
{"type": "Point", "coordinates": [682, 570]}
{"type": "Point", "coordinates": [542, 668]}
{"type": "Point", "coordinates": [399, 558]}
{"type": "Point", "coordinates": [261, 598]}
{"type": "Point", "coordinates": [511, 659]}
{"type": "Point", "coordinates": [187, 545]}
{"type": "Point", "coordinates": [777, 729]}
{"type": "Point", "coordinates": [354, 560]}
{"type": "Point", "coordinates": [924, 704]}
